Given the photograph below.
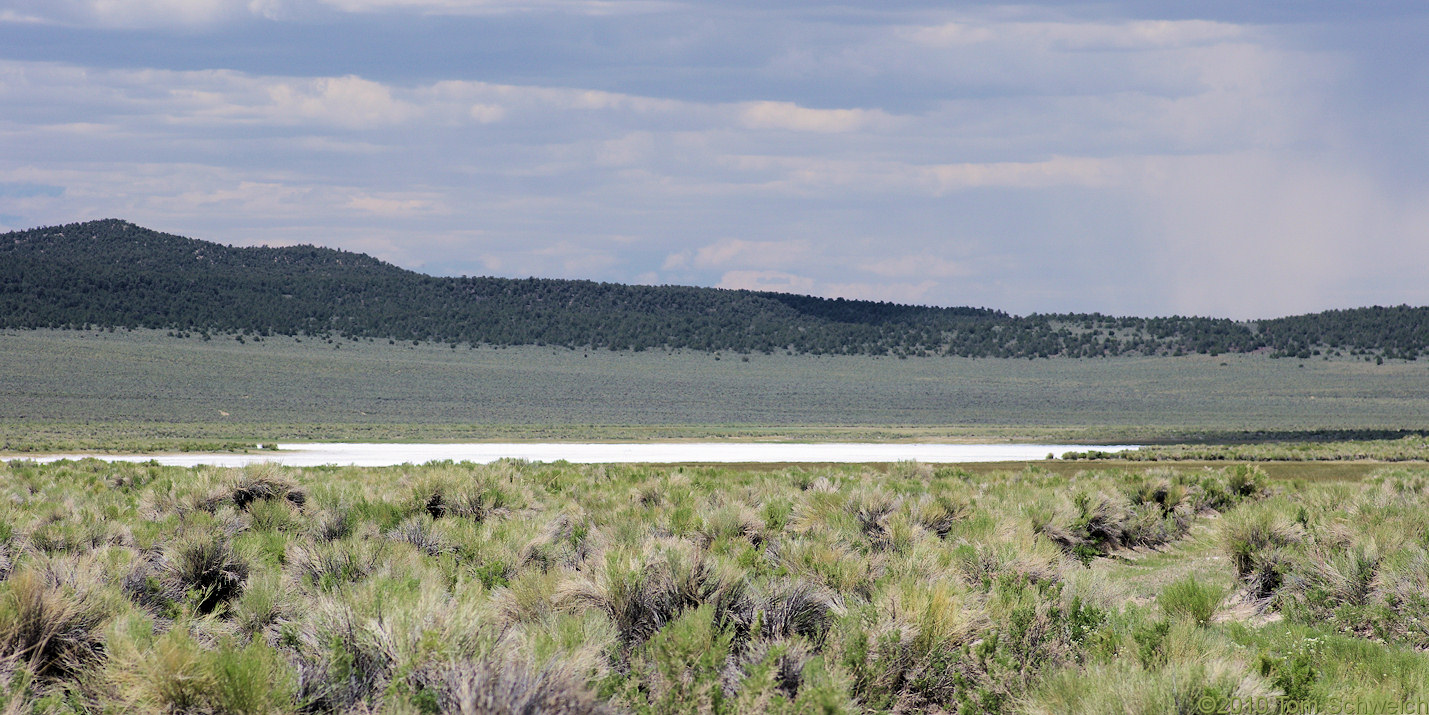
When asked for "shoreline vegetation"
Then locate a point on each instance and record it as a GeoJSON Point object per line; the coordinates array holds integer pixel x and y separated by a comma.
{"type": "Point", "coordinates": [144, 437]}
{"type": "Point", "coordinates": [1414, 448]}
{"type": "Point", "coordinates": [517, 587]}
{"type": "Point", "coordinates": [18, 439]}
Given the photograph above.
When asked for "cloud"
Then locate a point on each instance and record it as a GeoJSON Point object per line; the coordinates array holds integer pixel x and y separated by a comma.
{"type": "Point", "coordinates": [812, 176]}
{"type": "Point", "coordinates": [775, 281]}
{"type": "Point", "coordinates": [950, 33]}
{"type": "Point", "coordinates": [562, 259]}
{"type": "Point", "coordinates": [270, 197]}
{"type": "Point", "coordinates": [393, 206]}
{"type": "Point", "coordinates": [12, 16]}
{"type": "Point", "coordinates": [149, 99]}
{"type": "Point", "coordinates": [138, 14]}
{"type": "Point", "coordinates": [1080, 36]}
{"type": "Point", "coordinates": [1021, 158]}
{"type": "Point", "coordinates": [1079, 171]}
{"type": "Point", "coordinates": [487, 113]}
{"type": "Point", "coordinates": [738, 252]}
{"type": "Point", "coordinates": [343, 101]}
{"type": "Point", "coordinates": [490, 7]}
{"type": "Point", "coordinates": [125, 13]}
{"type": "Point", "coordinates": [214, 97]}
{"type": "Point", "coordinates": [790, 116]}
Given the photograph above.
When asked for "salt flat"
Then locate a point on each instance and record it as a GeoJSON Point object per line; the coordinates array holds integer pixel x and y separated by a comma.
{"type": "Point", "coordinates": [385, 455]}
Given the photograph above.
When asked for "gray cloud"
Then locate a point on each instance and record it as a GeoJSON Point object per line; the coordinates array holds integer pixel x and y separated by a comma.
{"type": "Point", "coordinates": [1033, 158]}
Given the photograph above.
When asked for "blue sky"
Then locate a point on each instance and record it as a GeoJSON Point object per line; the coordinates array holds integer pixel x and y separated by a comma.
{"type": "Point", "coordinates": [1240, 159]}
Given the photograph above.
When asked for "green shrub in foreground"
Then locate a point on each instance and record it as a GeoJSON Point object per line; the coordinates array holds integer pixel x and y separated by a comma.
{"type": "Point", "coordinates": [1192, 599]}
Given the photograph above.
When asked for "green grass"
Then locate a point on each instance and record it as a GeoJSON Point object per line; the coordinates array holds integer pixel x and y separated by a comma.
{"type": "Point", "coordinates": [672, 589]}
{"type": "Point", "coordinates": [18, 437]}
{"type": "Point", "coordinates": [1276, 470]}
{"type": "Point", "coordinates": [145, 390]}
{"type": "Point", "coordinates": [1193, 599]}
{"type": "Point", "coordinates": [1411, 448]}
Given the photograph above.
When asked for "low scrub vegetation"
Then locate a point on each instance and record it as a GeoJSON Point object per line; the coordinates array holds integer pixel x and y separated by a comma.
{"type": "Point", "coordinates": [1353, 558]}
{"type": "Point", "coordinates": [519, 588]}
{"type": "Point", "coordinates": [146, 391]}
{"type": "Point", "coordinates": [1408, 448]}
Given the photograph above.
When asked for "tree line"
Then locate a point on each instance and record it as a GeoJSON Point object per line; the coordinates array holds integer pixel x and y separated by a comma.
{"type": "Point", "coordinates": [112, 273]}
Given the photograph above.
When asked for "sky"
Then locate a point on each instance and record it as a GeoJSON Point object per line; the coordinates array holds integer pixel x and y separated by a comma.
{"type": "Point", "coordinates": [1152, 157]}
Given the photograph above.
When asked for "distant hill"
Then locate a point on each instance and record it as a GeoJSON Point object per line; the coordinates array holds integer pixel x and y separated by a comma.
{"type": "Point", "coordinates": [111, 273]}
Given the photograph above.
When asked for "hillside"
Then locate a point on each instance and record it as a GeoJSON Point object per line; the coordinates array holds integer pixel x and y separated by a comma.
{"type": "Point", "coordinates": [113, 273]}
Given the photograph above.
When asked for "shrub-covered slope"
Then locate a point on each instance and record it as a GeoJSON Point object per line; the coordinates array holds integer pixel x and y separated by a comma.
{"type": "Point", "coordinates": [113, 273]}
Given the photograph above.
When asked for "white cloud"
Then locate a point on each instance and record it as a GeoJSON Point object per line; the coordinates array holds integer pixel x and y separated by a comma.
{"type": "Point", "coordinates": [776, 281]}
{"type": "Point", "coordinates": [813, 176]}
{"type": "Point", "coordinates": [487, 113]}
{"type": "Point", "coordinates": [790, 116]}
{"type": "Point", "coordinates": [1057, 171]}
{"type": "Point", "coordinates": [344, 101]}
{"type": "Point", "coordinates": [490, 7]}
{"type": "Point", "coordinates": [561, 259]}
{"type": "Point", "coordinates": [126, 13]}
{"type": "Point", "coordinates": [134, 14]}
{"type": "Point", "coordinates": [1135, 35]}
{"type": "Point", "coordinates": [738, 252]}
{"type": "Point", "coordinates": [1214, 141]}
{"type": "Point", "coordinates": [950, 33]}
{"type": "Point", "coordinates": [270, 9]}
{"type": "Point", "coordinates": [1080, 36]}
{"type": "Point", "coordinates": [12, 16]}
{"type": "Point", "coordinates": [393, 206]}
{"type": "Point", "coordinates": [270, 197]}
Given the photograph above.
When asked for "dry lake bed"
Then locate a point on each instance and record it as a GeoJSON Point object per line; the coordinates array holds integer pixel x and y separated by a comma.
{"type": "Point", "coordinates": [383, 455]}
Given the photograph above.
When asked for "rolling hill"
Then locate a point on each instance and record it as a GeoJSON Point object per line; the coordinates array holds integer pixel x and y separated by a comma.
{"type": "Point", "coordinates": [111, 273]}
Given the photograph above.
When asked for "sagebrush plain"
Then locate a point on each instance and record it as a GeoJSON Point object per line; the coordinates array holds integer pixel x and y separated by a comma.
{"type": "Point", "coordinates": [145, 390]}
{"type": "Point", "coordinates": [1064, 586]}
{"type": "Point", "coordinates": [519, 587]}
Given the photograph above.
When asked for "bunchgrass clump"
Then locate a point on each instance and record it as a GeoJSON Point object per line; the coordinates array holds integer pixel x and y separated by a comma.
{"type": "Point", "coordinates": [505, 686]}
{"type": "Point", "coordinates": [1192, 599]}
{"type": "Point", "coordinates": [205, 565]}
{"type": "Point", "coordinates": [263, 482]}
{"type": "Point", "coordinates": [51, 629]}
{"type": "Point", "coordinates": [518, 587]}
{"type": "Point", "coordinates": [1257, 541]}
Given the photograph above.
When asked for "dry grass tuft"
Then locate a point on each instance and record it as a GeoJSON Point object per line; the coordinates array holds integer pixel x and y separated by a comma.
{"type": "Point", "coordinates": [205, 564]}
{"type": "Point", "coordinates": [262, 482]}
{"type": "Point", "coordinates": [54, 630]}
{"type": "Point", "coordinates": [508, 687]}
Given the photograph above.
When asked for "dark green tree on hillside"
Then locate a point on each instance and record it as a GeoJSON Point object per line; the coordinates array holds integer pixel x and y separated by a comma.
{"type": "Point", "coordinates": [112, 273]}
